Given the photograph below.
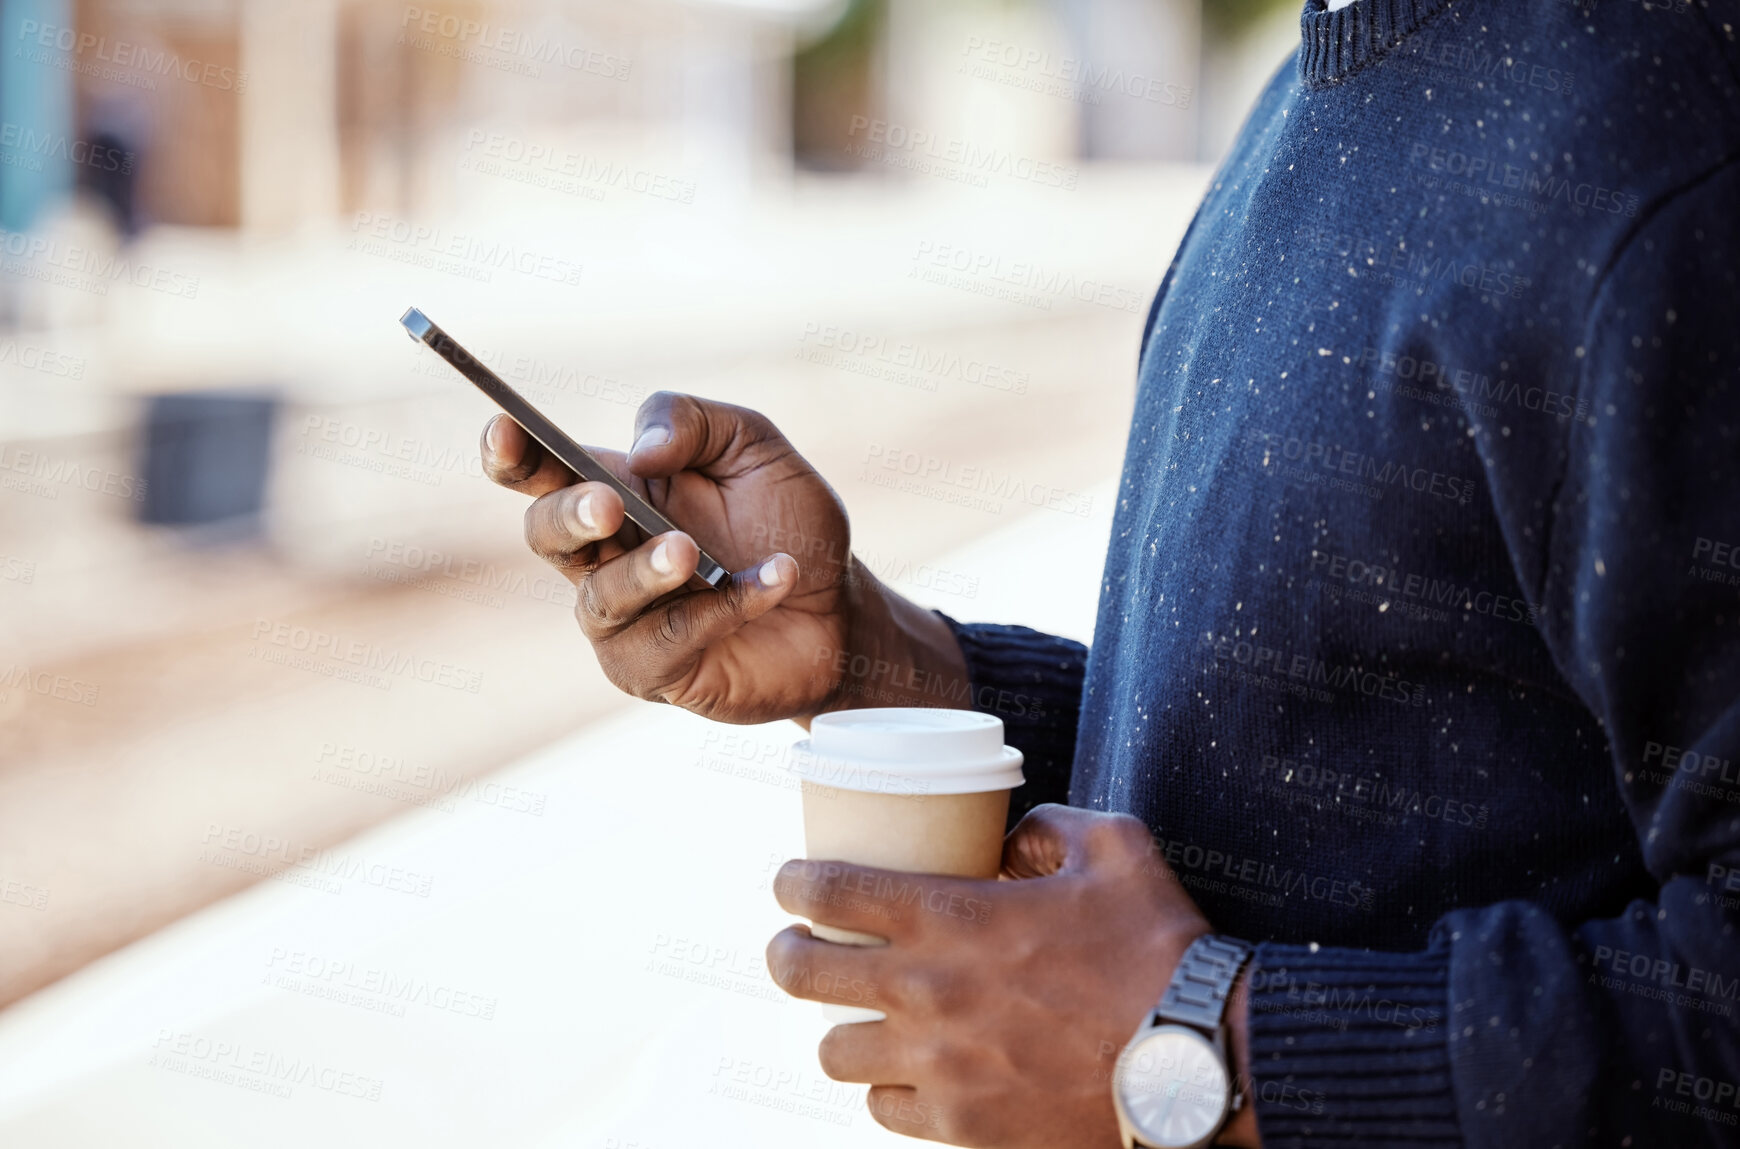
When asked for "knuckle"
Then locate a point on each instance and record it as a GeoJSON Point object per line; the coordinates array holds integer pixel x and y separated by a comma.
{"type": "Point", "coordinates": [1125, 833]}
{"type": "Point", "coordinates": [931, 1060]}
{"type": "Point", "coordinates": [590, 608]}
{"type": "Point", "coordinates": [898, 1111]}
{"type": "Point", "coordinates": [789, 885]}
{"type": "Point", "coordinates": [676, 627]}
{"type": "Point", "coordinates": [834, 1054]}
{"type": "Point", "coordinates": [508, 474]}
{"type": "Point", "coordinates": [540, 528]}
{"type": "Point", "coordinates": [881, 1109]}
{"type": "Point", "coordinates": [785, 956]}
{"type": "Point", "coordinates": [923, 990]}
{"type": "Point", "coordinates": [759, 428]}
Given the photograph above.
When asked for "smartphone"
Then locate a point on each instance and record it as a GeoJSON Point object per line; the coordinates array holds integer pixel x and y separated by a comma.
{"type": "Point", "coordinates": [573, 456]}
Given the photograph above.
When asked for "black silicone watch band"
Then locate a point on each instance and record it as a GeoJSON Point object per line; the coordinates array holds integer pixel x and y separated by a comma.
{"type": "Point", "coordinates": [1202, 982]}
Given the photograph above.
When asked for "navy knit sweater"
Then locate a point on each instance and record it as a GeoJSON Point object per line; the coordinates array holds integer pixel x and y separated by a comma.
{"type": "Point", "coordinates": [1419, 638]}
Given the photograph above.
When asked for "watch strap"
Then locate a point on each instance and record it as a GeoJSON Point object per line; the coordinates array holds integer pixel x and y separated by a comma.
{"type": "Point", "coordinates": [1202, 982]}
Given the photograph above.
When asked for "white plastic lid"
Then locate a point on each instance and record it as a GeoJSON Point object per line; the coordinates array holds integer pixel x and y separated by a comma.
{"type": "Point", "coordinates": [908, 750]}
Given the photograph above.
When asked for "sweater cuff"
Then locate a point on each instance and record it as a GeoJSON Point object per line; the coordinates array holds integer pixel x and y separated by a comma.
{"type": "Point", "coordinates": [1351, 1047]}
{"type": "Point", "coordinates": [1033, 682]}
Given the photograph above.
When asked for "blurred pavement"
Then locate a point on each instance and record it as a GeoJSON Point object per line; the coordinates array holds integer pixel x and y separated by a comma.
{"type": "Point", "coordinates": [578, 965]}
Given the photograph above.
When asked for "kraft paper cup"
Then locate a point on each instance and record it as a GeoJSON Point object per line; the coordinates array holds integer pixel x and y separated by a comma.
{"type": "Point", "coordinates": [920, 790]}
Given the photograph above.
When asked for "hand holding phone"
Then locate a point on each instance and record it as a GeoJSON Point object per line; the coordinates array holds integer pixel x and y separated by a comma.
{"type": "Point", "coordinates": [775, 639]}
{"type": "Point", "coordinates": [757, 649]}
{"type": "Point", "coordinates": [551, 437]}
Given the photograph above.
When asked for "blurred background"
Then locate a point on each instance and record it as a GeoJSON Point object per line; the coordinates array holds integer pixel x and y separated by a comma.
{"type": "Point", "coordinates": [297, 743]}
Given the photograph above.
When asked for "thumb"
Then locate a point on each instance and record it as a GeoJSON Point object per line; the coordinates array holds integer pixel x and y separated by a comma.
{"type": "Point", "coordinates": [1054, 839]}
{"type": "Point", "coordinates": [682, 433]}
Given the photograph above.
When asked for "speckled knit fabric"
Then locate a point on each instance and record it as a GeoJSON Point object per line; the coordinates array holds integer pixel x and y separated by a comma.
{"type": "Point", "coordinates": [1419, 638]}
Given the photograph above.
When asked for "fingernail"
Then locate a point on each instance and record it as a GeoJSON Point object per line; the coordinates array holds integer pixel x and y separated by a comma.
{"type": "Point", "coordinates": [650, 438]}
{"type": "Point", "coordinates": [586, 514]}
{"type": "Point", "coordinates": [494, 434]}
{"type": "Point", "coordinates": [661, 558]}
{"type": "Point", "coordinates": [771, 573]}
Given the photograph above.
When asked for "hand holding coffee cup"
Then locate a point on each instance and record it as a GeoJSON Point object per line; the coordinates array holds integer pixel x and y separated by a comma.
{"type": "Point", "coordinates": [905, 788]}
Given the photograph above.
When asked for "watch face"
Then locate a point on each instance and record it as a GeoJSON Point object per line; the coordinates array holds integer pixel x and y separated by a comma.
{"type": "Point", "coordinates": [1173, 1087]}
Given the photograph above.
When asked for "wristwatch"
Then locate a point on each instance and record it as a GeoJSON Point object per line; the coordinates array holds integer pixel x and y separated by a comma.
{"type": "Point", "coordinates": [1172, 1086]}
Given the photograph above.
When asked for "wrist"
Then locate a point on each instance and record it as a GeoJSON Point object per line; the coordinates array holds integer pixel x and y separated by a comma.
{"type": "Point", "coordinates": [896, 653]}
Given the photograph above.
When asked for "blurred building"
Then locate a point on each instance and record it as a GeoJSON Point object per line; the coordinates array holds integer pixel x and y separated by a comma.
{"type": "Point", "coordinates": [261, 114]}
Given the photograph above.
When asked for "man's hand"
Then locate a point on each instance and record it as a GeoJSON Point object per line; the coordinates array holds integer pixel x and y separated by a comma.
{"type": "Point", "coordinates": [776, 640]}
{"type": "Point", "coordinates": [1008, 1002]}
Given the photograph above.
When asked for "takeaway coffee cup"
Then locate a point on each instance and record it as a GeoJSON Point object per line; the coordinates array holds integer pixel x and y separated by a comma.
{"type": "Point", "coordinates": [905, 788]}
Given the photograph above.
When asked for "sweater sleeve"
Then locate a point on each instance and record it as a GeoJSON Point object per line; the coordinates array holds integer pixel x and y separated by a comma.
{"type": "Point", "coordinates": [1514, 1028]}
{"type": "Point", "coordinates": [1033, 682]}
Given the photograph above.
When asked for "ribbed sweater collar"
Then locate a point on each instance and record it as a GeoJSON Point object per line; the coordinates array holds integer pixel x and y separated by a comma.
{"type": "Point", "coordinates": [1336, 44]}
